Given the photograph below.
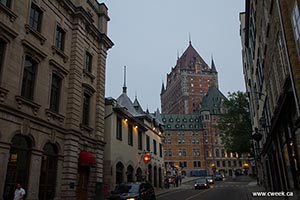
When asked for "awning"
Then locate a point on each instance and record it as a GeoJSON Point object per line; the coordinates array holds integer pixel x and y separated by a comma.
{"type": "Point", "coordinates": [86, 158]}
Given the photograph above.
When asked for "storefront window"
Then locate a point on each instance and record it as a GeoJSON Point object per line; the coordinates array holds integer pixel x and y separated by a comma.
{"type": "Point", "coordinates": [48, 173]}
{"type": "Point", "coordinates": [18, 165]}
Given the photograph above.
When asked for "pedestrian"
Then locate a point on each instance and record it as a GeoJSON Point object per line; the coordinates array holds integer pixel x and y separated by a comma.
{"type": "Point", "coordinates": [180, 179]}
{"type": "Point", "coordinates": [19, 192]}
{"type": "Point", "coordinates": [177, 180]}
{"type": "Point", "coordinates": [167, 185]}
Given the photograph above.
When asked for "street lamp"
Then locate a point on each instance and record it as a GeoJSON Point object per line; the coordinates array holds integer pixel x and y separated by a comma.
{"type": "Point", "coordinates": [257, 137]}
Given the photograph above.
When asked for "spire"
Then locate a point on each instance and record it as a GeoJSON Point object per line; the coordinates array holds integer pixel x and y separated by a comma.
{"type": "Point", "coordinates": [124, 86]}
{"type": "Point", "coordinates": [190, 41]}
{"type": "Point", "coordinates": [213, 67]}
{"type": "Point", "coordinates": [162, 87]}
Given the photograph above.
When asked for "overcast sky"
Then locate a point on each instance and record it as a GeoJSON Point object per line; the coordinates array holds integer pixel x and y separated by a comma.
{"type": "Point", "coordinates": [148, 36]}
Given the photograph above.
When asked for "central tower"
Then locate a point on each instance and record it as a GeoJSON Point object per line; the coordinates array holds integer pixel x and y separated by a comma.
{"type": "Point", "coordinates": [187, 83]}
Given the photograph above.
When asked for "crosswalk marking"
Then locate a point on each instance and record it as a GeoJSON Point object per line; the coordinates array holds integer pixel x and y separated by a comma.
{"type": "Point", "coordinates": [220, 186]}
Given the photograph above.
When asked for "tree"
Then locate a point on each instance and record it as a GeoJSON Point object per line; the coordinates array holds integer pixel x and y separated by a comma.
{"type": "Point", "coordinates": [235, 124]}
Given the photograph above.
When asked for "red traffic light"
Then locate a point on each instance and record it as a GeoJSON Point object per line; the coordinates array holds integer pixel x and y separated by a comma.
{"type": "Point", "coordinates": [147, 158]}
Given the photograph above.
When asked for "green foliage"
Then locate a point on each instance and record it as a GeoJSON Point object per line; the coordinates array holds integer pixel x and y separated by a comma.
{"type": "Point", "coordinates": [235, 124]}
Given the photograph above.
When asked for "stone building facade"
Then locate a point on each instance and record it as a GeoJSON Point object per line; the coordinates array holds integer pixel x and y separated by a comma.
{"type": "Point", "coordinates": [52, 76]}
{"type": "Point", "coordinates": [130, 134]}
{"type": "Point", "coordinates": [270, 34]}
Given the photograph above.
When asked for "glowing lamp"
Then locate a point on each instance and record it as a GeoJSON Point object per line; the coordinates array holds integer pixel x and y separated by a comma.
{"type": "Point", "coordinates": [147, 158]}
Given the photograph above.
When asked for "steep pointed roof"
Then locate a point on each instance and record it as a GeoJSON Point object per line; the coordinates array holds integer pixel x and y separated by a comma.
{"type": "Point", "coordinates": [213, 101]}
{"type": "Point", "coordinates": [125, 101]}
{"type": "Point", "coordinates": [190, 57]}
{"type": "Point", "coordinates": [213, 67]}
{"type": "Point", "coordinates": [138, 106]}
{"type": "Point", "coordinates": [157, 116]}
{"type": "Point", "coordinates": [162, 87]}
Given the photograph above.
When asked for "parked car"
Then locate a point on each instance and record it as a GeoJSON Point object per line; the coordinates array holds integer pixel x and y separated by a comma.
{"type": "Point", "coordinates": [201, 183]}
{"type": "Point", "coordinates": [218, 177]}
{"type": "Point", "coordinates": [210, 179]}
{"type": "Point", "coordinates": [133, 191]}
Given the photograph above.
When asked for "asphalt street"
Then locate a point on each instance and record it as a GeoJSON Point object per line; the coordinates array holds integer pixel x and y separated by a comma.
{"type": "Point", "coordinates": [238, 189]}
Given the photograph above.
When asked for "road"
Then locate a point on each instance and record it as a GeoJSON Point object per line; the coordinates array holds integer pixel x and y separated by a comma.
{"type": "Point", "coordinates": [226, 190]}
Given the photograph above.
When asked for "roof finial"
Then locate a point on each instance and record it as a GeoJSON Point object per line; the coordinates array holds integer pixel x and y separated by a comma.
{"type": "Point", "coordinates": [190, 41]}
{"type": "Point", "coordinates": [124, 86]}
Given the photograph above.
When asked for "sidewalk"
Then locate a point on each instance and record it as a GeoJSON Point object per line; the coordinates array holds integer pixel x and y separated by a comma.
{"type": "Point", "coordinates": [161, 191]}
{"type": "Point", "coordinates": [254, 187]}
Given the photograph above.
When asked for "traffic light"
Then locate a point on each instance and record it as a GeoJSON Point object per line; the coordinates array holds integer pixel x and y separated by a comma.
{"type": "Point", "coordinates": [147, 158]}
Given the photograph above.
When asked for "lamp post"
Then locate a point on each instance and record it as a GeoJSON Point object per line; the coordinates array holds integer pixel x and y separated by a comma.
{"type": "Point", "coordinates": [257, 137]}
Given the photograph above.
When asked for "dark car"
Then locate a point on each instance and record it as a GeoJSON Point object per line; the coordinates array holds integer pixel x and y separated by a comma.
{"type": "Point", "coordinates": [201, 183]}
{"type": "Point", "coordinates": [210, 179]}
{"type": "Point", "coordinates": [219, 177]}
{"type": "Point", "coordinates": [133, 191]}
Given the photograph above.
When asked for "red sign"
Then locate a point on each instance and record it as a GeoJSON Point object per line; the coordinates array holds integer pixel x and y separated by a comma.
{"type": "Point", "coordinates": [147, 158]}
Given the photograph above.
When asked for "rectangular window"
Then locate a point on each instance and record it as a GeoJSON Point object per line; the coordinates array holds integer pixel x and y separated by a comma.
{"type": "Point", "coordinates": [296, 25]}
{"type": "Point", "coordinates": [154, 147]}
{"type": "Point", "coordinates": [197, 163]}
{"type": "Point", "coordinates": [160, 150]}
{"type": "Point", "coordinates": [55, 92]}
{"type": "Point", "coordinates": [119, 129]}
{"type": "Point", "coordinates": [86, 109]}
{"type": "Point", "coordinates": [28, 78]}
{"type": "Point", "coordinates": [60, 38]}
{"type": "Point", "coordinates": [2, 51]}
{"type": "Point", "coordinates": [182, 152]}
{"type": "Point", "coordinates": [223, 153]}
{"type": "Point", "coordinates": [206, 153]}
{"type": "Point", "coordinates": [140, 140]}
{"type": "Point", "coordinates": [196, 152]}
{"type": "Point", "coordinates": [147, 143]}
{"type": "Point", "coordinates": [181, 141]}
{"type": "Point", "coordinates": [229, 163]}
{"type": "Point", "coordinates": [182, 164]}
{"type": "Point", "coordinates": [167, 152]}
{"type": "Point", "coordinates": [88, 62]}
{"type": "Point", "coordinates": [224, 163]}
{"type": "Point", "coordinates": [130, 135]}
{"type": "Point", "coordinates": [167, 141]}
{"type": "Point", "coordinates": [217, 153]}
{"type": "Point", "coordinates": [5, 2]}
{"type": "Point", "coordinates": [282, 54]}
{"type": "Point", "coordinates": [35, 19]}
{"type": "Point", "coordinates": [260, 72]}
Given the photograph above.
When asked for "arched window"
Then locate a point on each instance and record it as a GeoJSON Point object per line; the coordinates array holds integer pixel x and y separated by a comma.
{"type": "Point", "coordinates": [139, 175]}
{"type": "Point", "coordinates": [150, 173]}
{"type": "Point", "coordinates": [155, 176]}
{"type": "Point", "coordinates": [18, 165]}
{"type": "Point", "coordinates": [129, 173]}
{"type": "Point", "coordinates": [119, 173]}
{"type": "Point", "coordinates": [48, 172]}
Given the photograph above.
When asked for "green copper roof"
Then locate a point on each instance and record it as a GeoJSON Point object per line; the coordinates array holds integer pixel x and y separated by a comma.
{"type": "Point", "coordinates": [213, 101]}
{"type": "Point", "coordinates": [182, 121]}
